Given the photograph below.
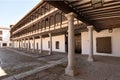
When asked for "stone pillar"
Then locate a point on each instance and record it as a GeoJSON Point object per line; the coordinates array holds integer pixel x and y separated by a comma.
{"type": "Point", "coordinates": [70, 70]}
{"type": "Point", "coordinates": [50, 37]}
{"type": "Point", "coordinates": [33, 44]}
{"type": "Point", "coordinates": [90, 38]}
{"type": "Point", "coordinates": [24, 44]}
{"type": "Point", "coordinates": [13, 44]}
{"type": "Point", "coordinates": [28, 48]}
{"type": "Point", "coordinates": [19, 43]}
{"type": "Point", "coordinates": [40, 44]}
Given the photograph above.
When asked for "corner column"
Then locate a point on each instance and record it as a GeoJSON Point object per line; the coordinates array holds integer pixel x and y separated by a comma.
{"type": "Point", "coordinates": [70, 70]}
{"type": "Point", "coordinates": [90, 37]}
{"type": "Point", "coordinates": [50, 37]}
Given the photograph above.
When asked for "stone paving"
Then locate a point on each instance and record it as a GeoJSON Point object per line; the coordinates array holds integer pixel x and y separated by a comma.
{"type": "Point", "coordinates": [104, 68]}
{"type": "Point", "coordinates": [16, 62]}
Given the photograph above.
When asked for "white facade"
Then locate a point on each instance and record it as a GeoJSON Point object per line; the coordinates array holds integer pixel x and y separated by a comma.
{"type": "Point", "coordinates": [5, 37]}
{"type": "Point", "coordinates": [115, 41]}
{"type": "Point", "coordinates": [59, 38]}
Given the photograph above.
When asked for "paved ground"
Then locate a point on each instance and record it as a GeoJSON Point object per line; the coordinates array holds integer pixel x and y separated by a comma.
{"type": "Point", "coordinates": [15, 62]}
{"type": "Point", "coordinates": [104, 68]}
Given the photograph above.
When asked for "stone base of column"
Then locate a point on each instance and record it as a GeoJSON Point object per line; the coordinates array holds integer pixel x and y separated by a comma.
{"type": "Point", "coordinates": [50, 53]}
{"type": "Point", "coordinates": [90, 58]}
{"type": "Point", "coordinates": [40, 51]}
{"type": "Point", "coordinates": [33, 50]}
{"type": "Point", "coordinates": [71, 72]}
{"type": "Point", "coordinates": [28, 49]}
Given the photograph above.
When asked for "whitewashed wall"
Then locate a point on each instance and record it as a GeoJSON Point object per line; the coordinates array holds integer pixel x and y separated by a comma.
{"type": "Point", "coordinates": [5, 36]}
{"type": "Point", "coordinates": [115, 38]}
{"type": "Point", "coordinates": [60, 38]}
{"type": "Point", "coordinates": [37, 41]}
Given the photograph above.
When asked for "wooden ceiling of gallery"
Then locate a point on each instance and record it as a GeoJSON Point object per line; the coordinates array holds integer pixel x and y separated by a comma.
{"type": "Point", "coordinates": [103, 17]}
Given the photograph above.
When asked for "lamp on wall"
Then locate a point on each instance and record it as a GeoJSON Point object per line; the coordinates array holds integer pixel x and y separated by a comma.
{"type": "Point", "coordinates": [110, 30]}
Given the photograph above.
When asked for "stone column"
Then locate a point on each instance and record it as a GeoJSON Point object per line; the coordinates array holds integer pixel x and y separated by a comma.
{"type": "Point", "coordinates": [28, 48]}
{"type": "Point", "coordinates": [33, 44]}
{"type": "Point", "coordinates": [50, 37]}
{"type": "Point", "coordinates": [13, 44]}
{"type": "Point", "coordinates": [90, 44]}
{"type": "Point", "coordinates": [24, 44]}
{"type": "Point", "coordinates": [19, 43]}
{"type": "Point", "coordinates": [70, 70]}
{"type": "Point", "coordinates": [40, 44]}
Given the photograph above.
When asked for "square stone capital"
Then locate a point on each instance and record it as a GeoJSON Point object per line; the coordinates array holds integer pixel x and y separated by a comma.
{"type": "Point", "coordinates": [33, 37]}
{"type": "Point", "coordinates": [49, 34]}
{"type": "Point", "coordinates": [70, 15]}
{"type": "Point", "coordinates": [90, 27]}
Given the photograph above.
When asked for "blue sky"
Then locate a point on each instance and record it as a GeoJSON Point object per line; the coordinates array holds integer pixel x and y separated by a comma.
{"type": "Point", "coordinates": [11, 11]}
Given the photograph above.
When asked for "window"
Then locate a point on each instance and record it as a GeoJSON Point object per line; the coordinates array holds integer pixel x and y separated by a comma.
{"type": "Point", "coordinates": [57, 44]}
{"type": "Point", "coordinates": [0, 32]}
{"type": "Point", "coordinates": [0, 38]}
{"type": "Point", "coordinates": [37, 45]}
{"type": "Point", "coordinates": [48, 44]}
{"type": "Point", "coordinates": [47, 22]}
{"type": "Point", "coordinates": [4, 44]}
{"type": "Point", "coordinates": [103, 45]}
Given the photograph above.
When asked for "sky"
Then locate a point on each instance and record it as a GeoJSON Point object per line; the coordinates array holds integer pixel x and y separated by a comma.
{"type": "Point", "coordinates": [11, 11]}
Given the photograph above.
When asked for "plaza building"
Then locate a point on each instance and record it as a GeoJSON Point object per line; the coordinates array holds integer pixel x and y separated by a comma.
{"type": "Point", "coordinates": [45, 28]}
{"type": "Point", "coordinates": [71, 26]}
{"type": "Point", "coordinates": [4, 37]}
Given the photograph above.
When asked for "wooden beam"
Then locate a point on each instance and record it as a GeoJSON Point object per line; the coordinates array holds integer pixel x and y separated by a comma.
{"type": "Point", "coordinates": [105, 6]}
{"type": "Point", "coordinates": [101, 18]}
{"type": "Point", "coordinates": [103, 11]}
{"type": "Point", "coordinates": [107, 14]}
